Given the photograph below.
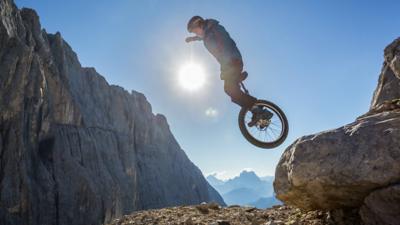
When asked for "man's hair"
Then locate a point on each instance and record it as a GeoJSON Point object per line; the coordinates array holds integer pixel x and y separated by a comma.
{"type": "Point", "coordinates": [195, 21]}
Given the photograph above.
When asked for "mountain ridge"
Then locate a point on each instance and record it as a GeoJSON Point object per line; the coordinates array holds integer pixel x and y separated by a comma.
{"type": "Point", "coordinates": [247, 188]}
{"type": "Point", "coordinates": [74, 149]}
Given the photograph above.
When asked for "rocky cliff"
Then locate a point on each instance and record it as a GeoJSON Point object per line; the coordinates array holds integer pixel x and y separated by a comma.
{"type": "Point", "coordinates": [74, 149]}
{"type": "Point", "coordinates": [355, 166]}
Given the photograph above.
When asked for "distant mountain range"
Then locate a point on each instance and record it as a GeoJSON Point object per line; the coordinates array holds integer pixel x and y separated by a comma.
{"type": "Point", "coordinates": [246, 189]}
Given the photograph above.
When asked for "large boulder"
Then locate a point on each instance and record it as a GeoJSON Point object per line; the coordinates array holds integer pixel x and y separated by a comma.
{"type": "Point", "coordinates": [353, 166]}
{"type": "Point", "coordinates": [339, 168]}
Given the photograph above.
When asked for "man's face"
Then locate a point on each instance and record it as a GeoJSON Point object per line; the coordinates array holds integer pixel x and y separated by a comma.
{"type": "Point", "coordinates": [198, 31]}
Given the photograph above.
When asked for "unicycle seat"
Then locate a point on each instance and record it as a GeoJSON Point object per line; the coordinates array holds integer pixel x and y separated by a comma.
{"type": "Point", "coordinates": [243, 76]}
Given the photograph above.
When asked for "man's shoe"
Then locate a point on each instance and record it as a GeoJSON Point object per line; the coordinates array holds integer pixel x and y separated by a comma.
{"type": "Point", "coordinates": [259, 113]}
{"type": "Point", "coordinates": [256, 110]}
{"type": "Point", "coordinates": [253, 121]}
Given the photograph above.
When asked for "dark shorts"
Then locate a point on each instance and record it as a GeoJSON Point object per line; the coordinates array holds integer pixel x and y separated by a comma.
{"type": "Point", "coordinates": [232, 71]}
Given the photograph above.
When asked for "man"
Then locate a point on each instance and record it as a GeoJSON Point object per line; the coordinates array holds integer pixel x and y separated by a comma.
{"type": "Point", "coordinates": [218, 42]}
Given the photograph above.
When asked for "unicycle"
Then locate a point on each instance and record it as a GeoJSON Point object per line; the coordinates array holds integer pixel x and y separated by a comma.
{"type": "Point", "coordinates": [266, 133]}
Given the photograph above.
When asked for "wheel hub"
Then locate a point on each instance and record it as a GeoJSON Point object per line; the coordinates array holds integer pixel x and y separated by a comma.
{"type": "Point", "coordinates": [263, 123]}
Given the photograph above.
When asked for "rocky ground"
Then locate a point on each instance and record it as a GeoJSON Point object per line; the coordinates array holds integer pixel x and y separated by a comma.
{"type": "Point", "coordinates": [213, 214]}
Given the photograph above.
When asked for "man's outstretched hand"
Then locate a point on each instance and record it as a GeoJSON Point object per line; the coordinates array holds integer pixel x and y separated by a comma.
{"type": "Point", "coordinates": [190, 39]}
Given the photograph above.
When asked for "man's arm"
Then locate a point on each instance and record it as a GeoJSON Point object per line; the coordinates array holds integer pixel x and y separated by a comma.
{"type": "Point", "coordinates": [194, 38]}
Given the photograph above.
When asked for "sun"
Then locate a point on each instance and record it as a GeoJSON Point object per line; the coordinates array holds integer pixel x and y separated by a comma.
{"type": "Point", "coordinates": [192, 76]}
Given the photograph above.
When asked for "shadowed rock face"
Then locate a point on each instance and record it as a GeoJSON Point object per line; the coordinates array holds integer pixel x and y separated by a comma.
{"type": "Point", "coordinates": [353, 166]}
{"type": "Point", "coordinates": [389, 80]}
{"type": "Point", "coordinates": [74, 149]}
{"type": "Point", "coordinates": [382, 206]}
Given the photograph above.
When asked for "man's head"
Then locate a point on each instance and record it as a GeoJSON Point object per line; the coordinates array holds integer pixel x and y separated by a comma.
{"type": "Point", "coordinates": [195, 25]}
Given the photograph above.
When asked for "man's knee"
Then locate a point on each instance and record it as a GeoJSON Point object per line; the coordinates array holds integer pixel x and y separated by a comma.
{"type": "Point", "coordinates": [231, 71]}
{"type": "Point", "coordinates": [232, 90]}
{"type": "Point", "coordinates": [228, 90]}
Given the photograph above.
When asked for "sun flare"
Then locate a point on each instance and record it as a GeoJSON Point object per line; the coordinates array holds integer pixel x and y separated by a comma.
{"type": "Point", "coordinates": [192, 76]}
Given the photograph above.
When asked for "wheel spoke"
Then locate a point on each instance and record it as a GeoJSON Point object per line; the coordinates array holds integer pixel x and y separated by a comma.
{"type": "Point", "coordinates": [265, 136]}
{"type": "Point", "coordinates": [269, 135]}
{"type": "Point", "coordinates": [273, 129]}
{"type": "Point", "coordinates": [274, 124]}
{"type": "Point", "coordinates": [273, 132]}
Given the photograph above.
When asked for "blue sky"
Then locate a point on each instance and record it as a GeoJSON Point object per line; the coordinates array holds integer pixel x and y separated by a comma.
{"type": "Point", "coordinates": [318, 60]}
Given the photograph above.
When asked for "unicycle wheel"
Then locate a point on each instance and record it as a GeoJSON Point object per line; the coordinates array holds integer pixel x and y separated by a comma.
{"type": "Point", "coordinates": [267, 133]}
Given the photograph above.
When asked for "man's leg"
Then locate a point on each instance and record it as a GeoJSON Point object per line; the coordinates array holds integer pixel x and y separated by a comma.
{"type": "Point", "coordinates": [232, 88]}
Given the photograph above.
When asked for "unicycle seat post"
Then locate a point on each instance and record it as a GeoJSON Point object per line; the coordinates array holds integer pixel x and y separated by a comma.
{"type": "Point", "coordinates": [244, 88]}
